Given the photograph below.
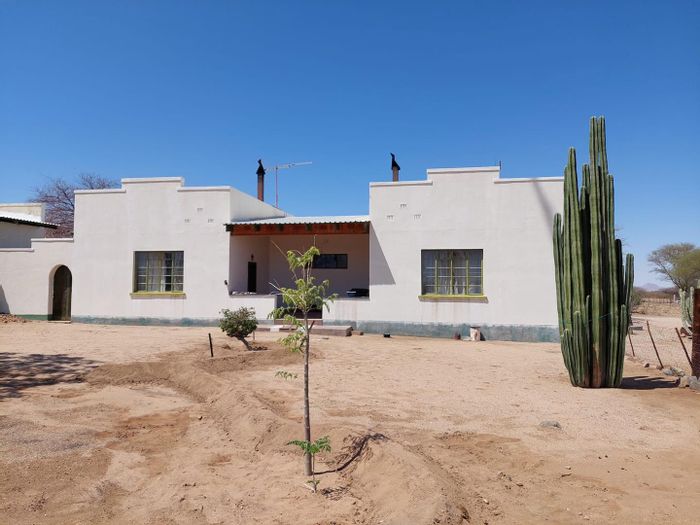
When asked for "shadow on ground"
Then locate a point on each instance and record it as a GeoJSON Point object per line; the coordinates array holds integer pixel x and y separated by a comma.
{"type": "Point", "coordinates": [21, 371]}
{"type": "Point", "coordinates": [647, 383]}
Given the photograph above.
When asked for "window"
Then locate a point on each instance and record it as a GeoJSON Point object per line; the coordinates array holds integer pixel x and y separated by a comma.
{"type": "Point", "coordinates": [158, 271]}
{"type": "Point", "coordinates": [331, 260]}
{"type": "Point", "coordinates": [452, 272]}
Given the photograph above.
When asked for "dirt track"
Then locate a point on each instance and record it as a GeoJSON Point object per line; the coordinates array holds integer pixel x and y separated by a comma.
{"type": "Point", "coordinates": [139, 425]}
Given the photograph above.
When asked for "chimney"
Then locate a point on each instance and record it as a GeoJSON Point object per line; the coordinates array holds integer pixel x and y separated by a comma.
{"type": "Point", "coordinates": [394, 168]}
{"type": "Point", "coordinates": [261, 181]}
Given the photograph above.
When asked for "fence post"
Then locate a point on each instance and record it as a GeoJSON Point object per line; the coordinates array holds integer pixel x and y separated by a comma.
{"type": "Point", "coordinates": [695, 365]}
{"type": "Point", "coordinates": [654, 345]}
{"type": "Point", "coordinates": [629, 336]}
{"type": "Point", "coordinates": [684, 349]}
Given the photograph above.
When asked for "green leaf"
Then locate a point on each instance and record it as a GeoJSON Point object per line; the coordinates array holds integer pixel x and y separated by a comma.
{"type": "Point", "coordinates": [285, 375]}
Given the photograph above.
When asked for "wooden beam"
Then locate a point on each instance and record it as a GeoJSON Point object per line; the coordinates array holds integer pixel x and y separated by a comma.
{"type": "Point", "coordinates": [299, 229]}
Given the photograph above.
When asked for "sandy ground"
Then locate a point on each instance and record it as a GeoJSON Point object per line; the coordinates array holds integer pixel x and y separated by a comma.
{"type": "Point", "coordinates": [138, 425]}
{"type": "Point", "coordinates": [670, 349]}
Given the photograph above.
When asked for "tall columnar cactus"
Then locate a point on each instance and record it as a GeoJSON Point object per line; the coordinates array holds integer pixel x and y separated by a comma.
{"type": "Point", "coordinates": [593, 285]}
{"type": "Point", "coordinates": [687, 307]}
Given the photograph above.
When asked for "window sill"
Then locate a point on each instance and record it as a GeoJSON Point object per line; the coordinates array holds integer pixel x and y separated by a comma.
{"type": "Point", "coordinates": [458, 298]}
{"type": "Point", "coordinates": [158, 295]}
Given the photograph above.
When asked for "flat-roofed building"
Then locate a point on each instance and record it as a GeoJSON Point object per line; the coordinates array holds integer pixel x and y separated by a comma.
{"type": "Point", "coordinates": [462, 248]}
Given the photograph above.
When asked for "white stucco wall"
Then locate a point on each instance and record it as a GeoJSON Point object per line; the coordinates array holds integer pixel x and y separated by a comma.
{"type": "Point", "coordinates": [243, 249]}
{"type": "Point", "coordinates": [26, 275]}
{"type": "Point", "coordinates": [470, 208]}
{"type": "Point", "coordinates": [263, 304]}
{"type": "Point", "coordinates": [356, 246]}
{"type": "Point", "coordinates": [244, 207]}
{"type": "Point", "coordinates": [269, 252]}
{"type": "Point", "coordinates": [30, 208]}
{"type": "Point", "coordinates": [19, 235]}
{"type": "Point", "coordinates": [110, 225]}
{"type": "Point", "coordinates": [150, 215]}
{"type": "Point", "coordinates": [14, 235]}
{"type": "Point", "coordinates": [510, 220]}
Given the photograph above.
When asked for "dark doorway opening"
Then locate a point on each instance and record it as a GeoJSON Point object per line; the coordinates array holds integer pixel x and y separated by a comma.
{"type": "Point", "coordinates": [62, 285]}
{"type": "Point", "coordinates": [252, 277]}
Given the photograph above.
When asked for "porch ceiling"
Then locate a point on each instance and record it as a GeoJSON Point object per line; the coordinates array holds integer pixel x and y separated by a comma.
{"type": "Point", "coordinates": [353, 224]}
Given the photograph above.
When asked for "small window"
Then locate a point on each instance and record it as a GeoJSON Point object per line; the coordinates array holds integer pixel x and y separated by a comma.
{"type": "Point", "coordinates": [331, 260]}
{"type": "Point", "coordinates": [452, 272]}
{"type": "Point", "coordinates": [158, 271]}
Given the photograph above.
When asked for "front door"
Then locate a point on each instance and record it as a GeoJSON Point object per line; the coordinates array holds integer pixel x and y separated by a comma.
{"type": "Point", "coordinates": [252, 277]}
{"type": "Point", "coordinates": [62, 284]}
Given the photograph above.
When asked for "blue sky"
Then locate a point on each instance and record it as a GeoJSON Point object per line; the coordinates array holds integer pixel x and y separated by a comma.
{"type": "Point", "coordinates": [201, 89]}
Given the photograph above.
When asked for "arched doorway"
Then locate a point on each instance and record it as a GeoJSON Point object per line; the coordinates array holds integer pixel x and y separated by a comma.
{"type": "Point", "coordinates": [62, 284]}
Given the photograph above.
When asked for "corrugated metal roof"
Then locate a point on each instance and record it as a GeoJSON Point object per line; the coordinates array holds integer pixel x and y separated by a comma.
{"type": "Point", "coordinates": [330, 219]}
{"type": "Point", "coordinates": [25, 218]}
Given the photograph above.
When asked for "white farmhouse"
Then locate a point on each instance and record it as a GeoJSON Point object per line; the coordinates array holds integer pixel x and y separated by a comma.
{"type": "Point", "coordinates": [461, 249]}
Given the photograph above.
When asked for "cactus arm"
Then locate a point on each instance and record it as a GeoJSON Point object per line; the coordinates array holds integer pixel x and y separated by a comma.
{"type": "Point", "coordinates": [625, 311]}
{"type": "Point", "coordinates": [614, 264]}
{"type": "Point", "coordinates": [596, 271]}
{"type": "Point", "coordinates": [687, 307]}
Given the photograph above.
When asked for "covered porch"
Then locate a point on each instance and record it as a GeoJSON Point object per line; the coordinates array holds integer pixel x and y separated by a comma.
{"type": "Point", "coordinates": [257, 257]}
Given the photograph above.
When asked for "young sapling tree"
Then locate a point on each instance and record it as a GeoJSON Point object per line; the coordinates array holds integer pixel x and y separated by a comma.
{"type": "Point", "coordinates": [322, 444]}
{"type": "Point", "coordinates": [299, 301]}
{"type": "Point", "coordinates": [239, 323]}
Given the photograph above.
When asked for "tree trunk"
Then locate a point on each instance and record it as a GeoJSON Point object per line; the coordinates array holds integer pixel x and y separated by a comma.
{"type": "Point", "coordinates": [308, 466]}
{"type": "Point", "coordinates": [245, 343]}
{"type": "Point", "coordinates": [695, 352]}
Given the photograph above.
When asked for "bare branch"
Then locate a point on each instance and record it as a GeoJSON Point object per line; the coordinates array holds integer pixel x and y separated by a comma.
{"type": "Point", "coordinates": [58, 195]}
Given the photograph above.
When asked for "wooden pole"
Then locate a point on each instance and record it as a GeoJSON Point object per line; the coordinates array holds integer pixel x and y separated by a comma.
{"type": "Point", "coordinates": [695, 352]}
{"type": "Point", "coordinates": [680, 338]}
{"type": "Point", "coordinates": [211, 346]}
{"type": "Point", "coordinates": [629, 336]}
{"type": "Point", "coordinates": [654, 344]}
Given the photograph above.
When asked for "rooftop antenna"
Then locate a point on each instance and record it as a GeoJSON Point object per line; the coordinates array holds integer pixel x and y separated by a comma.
{"type": "Point", "coordinates": [284, 167]}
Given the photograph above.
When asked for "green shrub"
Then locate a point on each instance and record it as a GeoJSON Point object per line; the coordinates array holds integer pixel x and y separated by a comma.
{"type": "Point", "coordinates": [239, 323]}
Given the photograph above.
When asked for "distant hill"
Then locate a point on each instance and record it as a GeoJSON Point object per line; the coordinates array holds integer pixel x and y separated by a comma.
{"type": "Point", "coordinates": [650, 287]}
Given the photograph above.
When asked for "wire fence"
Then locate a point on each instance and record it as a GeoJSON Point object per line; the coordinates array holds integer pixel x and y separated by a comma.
{"type": "Point", "coordinates": [660, 342]}
{"type": "Point", "coordinates": [671, 299]}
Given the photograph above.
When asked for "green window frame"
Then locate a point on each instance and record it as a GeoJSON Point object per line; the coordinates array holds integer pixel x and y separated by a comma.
{"type": "Point", "coordinates": [452, 272]}
{"type": "Point", "coordinates": [159, 272]}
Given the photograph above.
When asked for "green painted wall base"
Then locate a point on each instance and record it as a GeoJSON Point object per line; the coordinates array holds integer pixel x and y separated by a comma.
{"type": "Point", "coordinates": [34, 317]}
{"type": "Point", "coordinates": [152, 321]}
{"type": "Point", "coordinates": [524, 333]}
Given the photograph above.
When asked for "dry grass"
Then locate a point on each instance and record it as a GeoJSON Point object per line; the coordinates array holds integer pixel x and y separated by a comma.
{"type": "Point", "coordinates": [659, 309]}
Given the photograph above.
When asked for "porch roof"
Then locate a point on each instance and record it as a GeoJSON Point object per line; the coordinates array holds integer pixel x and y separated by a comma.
{"type": "Point", "coordinates": [301, 225]}
{"type": "Point", "coordinates": [25, 218]}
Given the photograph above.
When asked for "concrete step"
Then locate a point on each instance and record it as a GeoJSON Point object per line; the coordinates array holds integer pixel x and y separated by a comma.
{"type": "Point", "coordinates": [334, 330]}
{"type": "Point", "coordinates": [317, 322]}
